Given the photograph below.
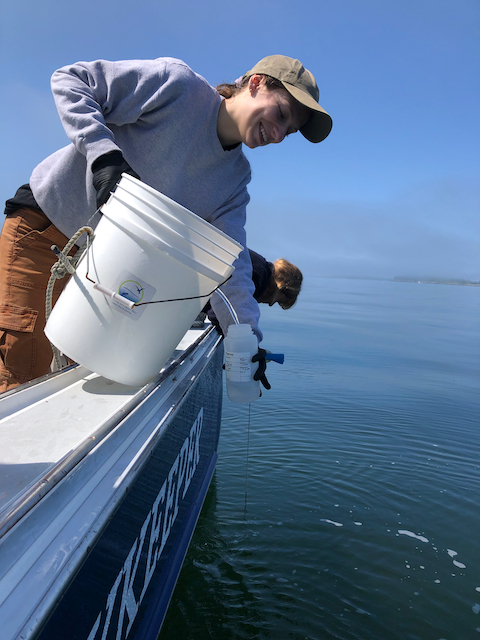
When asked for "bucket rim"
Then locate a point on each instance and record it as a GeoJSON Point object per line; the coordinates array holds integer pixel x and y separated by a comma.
{"type": "Point", "coordinates": [154, 209]}
{"type": "Point", "coordinates": [195, 216]}
{"type": "Point", "coordinates": [167, 230]}
{"type": "Point", "coordinates": [173, 252]}
{"type": "Point", "coordinates": [164, 223]}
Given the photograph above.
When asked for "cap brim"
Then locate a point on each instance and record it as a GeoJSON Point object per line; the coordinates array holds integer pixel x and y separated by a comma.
{"type": "Point", "coordinates": [320, 123]}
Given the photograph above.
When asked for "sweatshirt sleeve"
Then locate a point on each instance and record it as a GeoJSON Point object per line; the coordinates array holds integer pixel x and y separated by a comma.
{"type": "Point", "coordinates": [89, 96]}
{"type": "Point", "coordinates": [239, 289]}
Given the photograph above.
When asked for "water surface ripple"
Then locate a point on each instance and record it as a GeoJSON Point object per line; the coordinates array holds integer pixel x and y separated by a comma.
{"type": "Point", "coordinates": [359, 518]}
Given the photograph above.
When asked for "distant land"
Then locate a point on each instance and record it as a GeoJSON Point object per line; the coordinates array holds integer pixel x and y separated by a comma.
{"type": "Point", "coordinates": [458, 281]}
{"type": "Point", "coordinates": [419, 280]}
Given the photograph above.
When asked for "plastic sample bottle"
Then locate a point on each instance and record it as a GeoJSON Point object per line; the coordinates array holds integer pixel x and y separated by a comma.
{"type": "Point", "coordinates": [241, 345]}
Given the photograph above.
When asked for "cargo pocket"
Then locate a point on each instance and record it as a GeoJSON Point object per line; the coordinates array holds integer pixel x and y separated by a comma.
{"type": "Point", "coordinates": [17, 341]}
{"type": "Point", "coordinates": [32, 224]}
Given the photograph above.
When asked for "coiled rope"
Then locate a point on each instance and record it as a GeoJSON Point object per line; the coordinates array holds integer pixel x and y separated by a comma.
{"type": "Point", "coordinates": [65, 264]}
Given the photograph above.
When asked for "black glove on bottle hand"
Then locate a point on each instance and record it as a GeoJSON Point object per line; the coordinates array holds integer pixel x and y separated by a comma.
{"type": "Point", "coordinates": [262, 367]}
{"type": "Point", "coordinates": [107, 171]}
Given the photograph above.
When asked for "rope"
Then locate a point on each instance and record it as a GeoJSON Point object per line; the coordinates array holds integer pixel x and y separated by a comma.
{"type": "Point", "coordinates": [65, 264]}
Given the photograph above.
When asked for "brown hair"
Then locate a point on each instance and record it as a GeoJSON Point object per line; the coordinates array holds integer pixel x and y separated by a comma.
{"type": "Point", "coordinates": [230, 90]}
{"type": "Point", "coordinates": [288, 279]}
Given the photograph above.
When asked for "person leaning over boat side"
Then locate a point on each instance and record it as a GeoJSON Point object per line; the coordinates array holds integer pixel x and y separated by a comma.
{"type": "Point", "coordinates": [282, 287]}
{"type": "Point", "coordinates": [276, 282]}
{"type": "Point", "coordinates": [162, 122]}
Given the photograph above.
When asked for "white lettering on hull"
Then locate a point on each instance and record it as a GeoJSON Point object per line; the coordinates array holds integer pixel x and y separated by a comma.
{"type": "Point", "coordinates": [160, 520]}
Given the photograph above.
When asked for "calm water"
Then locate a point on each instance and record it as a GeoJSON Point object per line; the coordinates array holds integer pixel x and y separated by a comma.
{"type": "Point", "coordinates": [359, 517]}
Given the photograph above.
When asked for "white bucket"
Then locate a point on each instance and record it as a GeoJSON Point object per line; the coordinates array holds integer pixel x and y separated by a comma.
{"type": "Point", "coordinates": [143, 264]}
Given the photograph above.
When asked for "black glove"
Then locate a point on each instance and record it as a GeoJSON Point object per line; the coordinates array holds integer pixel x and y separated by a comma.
{"type": "Point", "coordinates": [107, 171]}
{"type": "Point", "coordinates": [262, 367]}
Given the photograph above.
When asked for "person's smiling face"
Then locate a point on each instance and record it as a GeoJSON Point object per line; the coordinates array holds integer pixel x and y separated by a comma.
{"type": "Point", "coordinates": [268, 115]}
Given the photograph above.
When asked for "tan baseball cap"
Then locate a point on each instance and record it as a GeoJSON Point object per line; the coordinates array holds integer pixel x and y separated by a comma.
{"type": "Point", "coordinates": [300, 83]}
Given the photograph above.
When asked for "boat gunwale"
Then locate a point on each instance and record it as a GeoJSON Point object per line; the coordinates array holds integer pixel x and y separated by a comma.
{"type": "Point", "coordinates": [15, 510]}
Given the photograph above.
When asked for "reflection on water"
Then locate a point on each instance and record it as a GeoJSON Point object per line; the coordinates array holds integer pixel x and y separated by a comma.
{"type": "Point", "coordinates": [362, 518]}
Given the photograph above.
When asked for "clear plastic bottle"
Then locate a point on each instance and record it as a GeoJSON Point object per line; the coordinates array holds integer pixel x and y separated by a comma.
{"type": "Point", "coordinates": [241, 345]}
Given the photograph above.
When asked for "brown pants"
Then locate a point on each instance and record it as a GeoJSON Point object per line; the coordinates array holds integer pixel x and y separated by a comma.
{"type": "Point", "coordinates": [25, 262]}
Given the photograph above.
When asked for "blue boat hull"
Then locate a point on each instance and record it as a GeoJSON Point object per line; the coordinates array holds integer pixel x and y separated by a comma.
{"type": "Point", "coordinates": [124, 586]}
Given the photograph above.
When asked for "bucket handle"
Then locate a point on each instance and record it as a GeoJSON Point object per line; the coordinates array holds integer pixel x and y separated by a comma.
{"type": "Point", "coordinates": [114, 296]}
{"type": "Point", "coordinates": [128, 303]}
{"type": "Point", "coordinates": [205, 295]}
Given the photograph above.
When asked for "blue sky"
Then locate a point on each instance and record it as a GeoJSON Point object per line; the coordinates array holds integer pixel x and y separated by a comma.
{"type": "Point", "coordinates": [394, 190]}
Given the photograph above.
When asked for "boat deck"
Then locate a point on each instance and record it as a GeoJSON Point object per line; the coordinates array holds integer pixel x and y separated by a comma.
{"type": "Point", "coordinates": [48, 422]}
{"type": "Point", "coordinates": [88, 467]}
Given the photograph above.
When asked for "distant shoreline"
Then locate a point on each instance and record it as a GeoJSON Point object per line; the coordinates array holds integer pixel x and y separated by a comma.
{"type": "Point", "coordinates": [457, 282]}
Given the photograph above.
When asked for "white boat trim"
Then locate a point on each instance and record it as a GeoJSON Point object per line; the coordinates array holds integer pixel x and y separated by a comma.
{"type": "Point", "coordinates": [49, 526]}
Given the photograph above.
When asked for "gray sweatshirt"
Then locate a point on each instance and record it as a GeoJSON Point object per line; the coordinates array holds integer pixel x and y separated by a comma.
{"type": "Point", "coordinates": [163, 118]}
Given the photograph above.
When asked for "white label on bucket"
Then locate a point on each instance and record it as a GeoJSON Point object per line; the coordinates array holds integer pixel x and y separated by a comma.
{"type": "Point", "coordinates": [238, 367]}
{"type": "Point", "coordinates": [134, 289]}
